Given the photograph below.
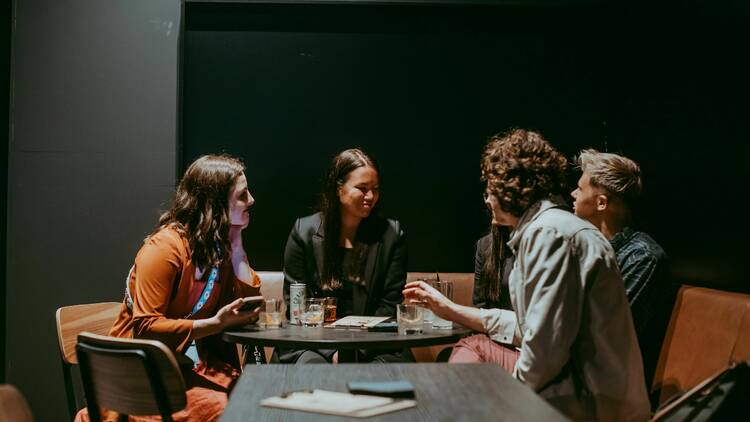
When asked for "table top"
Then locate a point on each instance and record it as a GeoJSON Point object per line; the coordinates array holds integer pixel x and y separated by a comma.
{"type": "Point", "coordinates": [444, 392]}
{"type": "Point", "coordinates": [296, 337]}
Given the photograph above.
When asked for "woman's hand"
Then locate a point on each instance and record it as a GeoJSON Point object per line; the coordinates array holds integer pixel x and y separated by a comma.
{"type": "Point", "coordinates": [230, 315]}
{"type": "Point", "coordinates": [421, 292]}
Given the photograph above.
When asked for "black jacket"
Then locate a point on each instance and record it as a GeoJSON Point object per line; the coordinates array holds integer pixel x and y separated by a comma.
{"type": "Point", "coordinates": [385, 267]}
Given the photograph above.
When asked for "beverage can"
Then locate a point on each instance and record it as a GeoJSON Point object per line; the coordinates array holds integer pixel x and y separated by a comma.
{"type": "Point", "coordinates": [296, 302]}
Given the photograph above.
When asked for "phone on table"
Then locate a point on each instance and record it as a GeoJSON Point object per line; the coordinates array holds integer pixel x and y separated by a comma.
{"type": "Point", "coordinates": [249, 303]}
{"type": "Point", "coordinates": [384, 327]}
{"type": "Point", "coordinates": [399, 389]}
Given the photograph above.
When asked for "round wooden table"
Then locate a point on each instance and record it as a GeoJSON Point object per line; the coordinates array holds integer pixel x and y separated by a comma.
{"type": "Point", "coordinates": [345, 340]}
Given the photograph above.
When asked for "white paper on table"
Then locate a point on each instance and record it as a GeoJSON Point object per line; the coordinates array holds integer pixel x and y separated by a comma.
{"type": "Point", "coordinates": [358, 321]}
{"type": "Point", "coordinates": [336, 403]}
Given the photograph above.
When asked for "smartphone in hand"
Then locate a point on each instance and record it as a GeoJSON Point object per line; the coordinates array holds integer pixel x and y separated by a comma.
{"type": "Point", "coordinates": [249, 303]}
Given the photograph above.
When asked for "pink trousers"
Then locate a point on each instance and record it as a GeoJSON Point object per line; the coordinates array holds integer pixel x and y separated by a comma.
{"type": "Point", "coordinates": [480, 348]}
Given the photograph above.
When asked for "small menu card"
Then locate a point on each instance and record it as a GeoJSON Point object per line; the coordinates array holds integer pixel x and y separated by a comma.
{"type": "Point", "coordinates": [336, 403]}
{"type": "Point", "coordinates": [358, 321]}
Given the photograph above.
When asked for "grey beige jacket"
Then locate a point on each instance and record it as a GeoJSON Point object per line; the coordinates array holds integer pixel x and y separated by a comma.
{"type": "Point", "coordinates": [571, 319]}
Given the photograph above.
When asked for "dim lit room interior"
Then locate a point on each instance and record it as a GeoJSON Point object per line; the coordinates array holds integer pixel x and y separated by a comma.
{"type": "Point", "coordinates": [111, 102]}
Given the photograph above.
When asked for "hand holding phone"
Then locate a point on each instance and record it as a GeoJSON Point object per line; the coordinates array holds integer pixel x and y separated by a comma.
{"type": "Point", "coordinates": [249, 303]}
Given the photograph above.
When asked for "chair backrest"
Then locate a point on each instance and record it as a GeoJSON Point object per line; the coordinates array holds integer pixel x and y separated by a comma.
{"type": "Point", "coordinates": [708, 330]}
{"type": "Point", "coordinates": [463, 284]}
{"type": "Point", "coordinates": [13, 406]}
{"type": "Point", "coordinates": [94, 318]}
{"type": "Point", "coordinates": [133, 377]}
{"type": "Point", "coordinates": [71, 320]}
{"type": "Point", "coordinates": [273, 285]}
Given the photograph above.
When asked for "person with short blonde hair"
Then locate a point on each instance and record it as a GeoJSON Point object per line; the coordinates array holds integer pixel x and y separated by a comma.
{"type": "Point", "coordinates": [617, 174]}
{"type": "Point", "coordinates": [609, 186]}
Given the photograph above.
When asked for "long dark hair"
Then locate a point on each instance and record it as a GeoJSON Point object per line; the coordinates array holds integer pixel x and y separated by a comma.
{"type": "Point", "coordinates": [492, 271]}
{"type": "Point", "coordinates": [200, 210]}
{"type": "Point", "coordinates": [330, 206]}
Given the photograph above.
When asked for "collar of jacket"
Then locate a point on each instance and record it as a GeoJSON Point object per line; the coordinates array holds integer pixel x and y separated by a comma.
{"type": "Point", "coordinates": [621, 238]}
{"type": "Point", "coordinates": [531, 214]}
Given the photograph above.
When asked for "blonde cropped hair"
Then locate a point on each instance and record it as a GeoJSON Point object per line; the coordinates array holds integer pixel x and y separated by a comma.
{"type": "Point", "coordinates": [614, 173]}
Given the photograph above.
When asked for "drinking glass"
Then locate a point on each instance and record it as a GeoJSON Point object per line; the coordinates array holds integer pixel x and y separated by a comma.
{"type": "Point", "coordinates": [445, 287]}
{"type": "Point", "coordinates": [329, 309]}
{"type": "Point", "coordinates": [313, 314]}
{"type": "Point", "coordinates": [272, 308]}
{"type": "Point", "coordinates": [410, 319]}
{"type": "Point", "coordinates": [428, 315]}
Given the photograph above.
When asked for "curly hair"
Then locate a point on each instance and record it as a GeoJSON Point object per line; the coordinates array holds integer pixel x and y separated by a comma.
{"type": "Point", "coordinates": [200, 209]}
{"type": "Point", "coordinates": [520, 168]}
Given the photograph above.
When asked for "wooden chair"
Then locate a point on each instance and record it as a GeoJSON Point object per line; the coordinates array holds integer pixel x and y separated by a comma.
{"type": "Point", "coordinates": [13, 406]}
{"type": "Point", "coordinates": [128, 376]}
{"type": "Point", "coordinates": [95, 318]}
{"type": "Point", "coordinates": [709, 330]}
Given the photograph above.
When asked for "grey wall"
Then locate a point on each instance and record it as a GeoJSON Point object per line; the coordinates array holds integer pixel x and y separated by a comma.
{"type": "Point", "coordinates": [5, 32]}
{"type": "Point", "coordinates": [92, 159]}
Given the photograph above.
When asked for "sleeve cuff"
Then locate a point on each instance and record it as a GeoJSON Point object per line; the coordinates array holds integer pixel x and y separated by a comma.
{"type": "Point", "coordinates": [500, 325]}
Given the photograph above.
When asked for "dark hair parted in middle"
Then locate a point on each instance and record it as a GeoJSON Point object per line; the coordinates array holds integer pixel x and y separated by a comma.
{"type": "Point", "coordinates": [330, 206]}
{"type": "Point", "coordinates": [520, 168]}
{"type": "Point", "coordinates": [200, 210]}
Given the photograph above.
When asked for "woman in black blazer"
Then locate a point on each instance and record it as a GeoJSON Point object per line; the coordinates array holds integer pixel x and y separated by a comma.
{"type": "Point", "coordinates": [346, 250]}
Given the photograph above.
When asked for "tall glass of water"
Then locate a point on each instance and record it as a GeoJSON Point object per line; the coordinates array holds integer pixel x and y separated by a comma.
{"type": "Point", "coordinates": [445, 287]}
{"type": "Point", "coordinates": [428, 315]}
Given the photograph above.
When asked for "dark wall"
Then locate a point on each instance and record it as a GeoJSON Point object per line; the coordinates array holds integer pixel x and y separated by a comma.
{"type": "Point", "coordinates": [422, 87]}
{"type": "Point", "coordinates": [678, 88]}
{"type": "Point", "coordinates": [92, 159]}
{"type": "Point", "coordinates": [5, 37]}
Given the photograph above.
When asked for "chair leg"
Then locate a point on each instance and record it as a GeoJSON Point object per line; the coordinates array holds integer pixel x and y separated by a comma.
{"type": "Point", "coordinates": [69, 393]}
{"type": "Point", "coordinates": [260, 355]}
{"type": "Point", "coordinates": [88, 387]}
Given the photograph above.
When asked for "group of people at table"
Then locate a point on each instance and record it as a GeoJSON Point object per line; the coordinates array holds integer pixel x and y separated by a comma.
{"type": "Point", "coordinates": [573, 304]}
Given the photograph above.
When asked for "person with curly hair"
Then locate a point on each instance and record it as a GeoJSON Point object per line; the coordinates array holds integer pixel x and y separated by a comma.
{"type": "Point", "coordinates": [570, 336]}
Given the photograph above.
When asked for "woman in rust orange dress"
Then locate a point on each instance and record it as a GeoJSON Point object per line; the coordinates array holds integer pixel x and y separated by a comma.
{"type": "Point", "coordinates": [187, 279]}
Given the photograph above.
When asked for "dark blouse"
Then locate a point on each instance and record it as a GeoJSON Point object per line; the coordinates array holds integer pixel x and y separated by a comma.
{"type": "Point", "coordinates": [479, 298]}
{"type": "Point", "coordinates": [344, 295]}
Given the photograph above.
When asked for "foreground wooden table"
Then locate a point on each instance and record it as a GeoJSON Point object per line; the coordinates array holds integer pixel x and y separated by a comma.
{"type": "Point", "coordinates": [444, 392]}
